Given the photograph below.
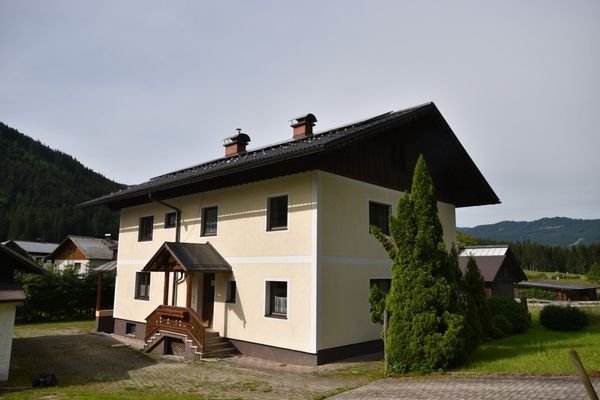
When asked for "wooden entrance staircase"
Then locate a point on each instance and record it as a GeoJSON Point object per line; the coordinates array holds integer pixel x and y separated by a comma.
{"type": "Point", "coordinates": [180, 328]}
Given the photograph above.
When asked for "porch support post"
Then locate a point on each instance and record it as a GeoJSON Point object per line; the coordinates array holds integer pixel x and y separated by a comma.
{"type": "Point", "coordinates": [188, 284]}
{"type": "Point", "coordinates": [166, 290]}
{"type": "Point", "coordinates": [99, 292]}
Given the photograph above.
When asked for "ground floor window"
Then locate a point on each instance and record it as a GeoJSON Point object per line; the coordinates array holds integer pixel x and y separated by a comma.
{"type": "Point", "coordinates": [142, 285]}
{"type": "Point", "coordinates": [130, 329]}
{"type": "Point", "coordinates": [231, 289]}
{"type": "Point", "coordinates": [383, 283]}
{"type": "Point", "coordinates": [276, 299]}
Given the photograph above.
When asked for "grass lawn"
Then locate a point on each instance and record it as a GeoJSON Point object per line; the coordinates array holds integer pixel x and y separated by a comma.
{"type": "Point", "coordinates": [578, 279]}
{"type": "Point", "coordinates": [540, 350]}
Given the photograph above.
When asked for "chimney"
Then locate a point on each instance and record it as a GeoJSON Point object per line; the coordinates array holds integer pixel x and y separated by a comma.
{"type": "Point", "coordinates": [303, 126]}
{"type": "Point", "coordinates": [236, 144]}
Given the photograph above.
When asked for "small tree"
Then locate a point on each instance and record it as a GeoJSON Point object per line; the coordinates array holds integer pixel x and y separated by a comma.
{"type": "Point", "coordinates": [425, 329]}
{"type": "Point", "coordinates": [593, 273]}
{"type": "Point", "coordinates": [478, 318]}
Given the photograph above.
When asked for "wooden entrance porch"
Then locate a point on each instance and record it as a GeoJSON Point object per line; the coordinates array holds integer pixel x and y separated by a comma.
{"type": "Point", "coordinates": [183, 327]}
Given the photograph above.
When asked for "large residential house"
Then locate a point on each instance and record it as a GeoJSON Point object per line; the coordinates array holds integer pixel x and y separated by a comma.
{"type": "Point", "coordinates": [270, 248]}
{"type": "Point", "coordinates": [83, 253]}
{"type": "Point", "coordinates": [11, 295]}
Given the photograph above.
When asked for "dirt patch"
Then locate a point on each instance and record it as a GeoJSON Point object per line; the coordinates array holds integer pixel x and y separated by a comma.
{"type": "Point", "coordinates": [86, 363]}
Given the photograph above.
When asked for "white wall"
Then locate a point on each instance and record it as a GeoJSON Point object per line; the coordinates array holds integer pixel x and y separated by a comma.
{"type": "Point", "coordinates": [7, 321]}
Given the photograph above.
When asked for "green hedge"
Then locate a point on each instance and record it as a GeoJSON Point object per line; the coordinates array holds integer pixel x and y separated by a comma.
{"type": "Point", "coordinates": [563, 318]}
{"type": "Point", "coordinates": [63, 296]}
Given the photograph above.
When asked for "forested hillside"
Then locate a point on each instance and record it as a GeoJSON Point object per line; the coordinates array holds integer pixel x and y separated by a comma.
{"type": "Point", "coordinates": [40, 188]}
{"type": "Point", "coordinates": [557, 231]}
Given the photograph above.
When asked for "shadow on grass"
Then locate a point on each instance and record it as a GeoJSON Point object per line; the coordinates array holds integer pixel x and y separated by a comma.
{"type": "Point", "coordinates": [74, 359]}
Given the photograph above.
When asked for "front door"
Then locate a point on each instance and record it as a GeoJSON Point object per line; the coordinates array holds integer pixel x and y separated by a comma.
{"type": "Point", "coordinates": [208, 298]}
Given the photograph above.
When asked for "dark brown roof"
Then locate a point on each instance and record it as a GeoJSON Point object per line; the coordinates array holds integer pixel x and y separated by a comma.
{"type": "Point", "coordinates": [188, 257]}
{"type": "Point", "coordinates": [489, 266]}
{"type": "Point", "coordinates": [420, 129]}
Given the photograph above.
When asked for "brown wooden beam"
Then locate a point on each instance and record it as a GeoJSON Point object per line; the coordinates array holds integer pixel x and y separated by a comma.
{"type": "Point", "coordinates": [166, 290]}
{"type": "Point", "coordinates": [188, 283]}
{"type": "Point", "coordinates": [99, 292]}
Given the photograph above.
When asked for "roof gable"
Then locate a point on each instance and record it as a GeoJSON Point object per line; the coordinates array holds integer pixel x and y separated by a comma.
{"type": "Point", "coordinates": [490, 260]}
{"type": "Point", "coordinates": [90, 247]}
{"type": "Point", "coordinates": [187, 257]}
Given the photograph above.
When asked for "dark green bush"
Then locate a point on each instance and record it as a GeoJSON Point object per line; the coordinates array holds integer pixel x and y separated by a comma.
{"type": "Point", "coordinates": [514, 312]}
{"type": "Point", "coordinates": [62, 296]}
{"type": "Point", "coordinates": [563, 318]}
{"type": "Point", "coordinates": [502, 326]}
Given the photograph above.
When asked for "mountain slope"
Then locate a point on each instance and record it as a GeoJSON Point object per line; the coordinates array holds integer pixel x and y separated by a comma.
{"type": "Point", "coordinates": [557, 231]}
{"type": "Point", "coordinates": [40, 188]}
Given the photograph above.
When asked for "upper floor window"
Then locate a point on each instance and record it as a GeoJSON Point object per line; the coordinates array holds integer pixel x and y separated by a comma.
{"type": "Point", "coordinates": [146, 227]}
{"type": "Point", "coordinates": [209, 221]}
{"type": "Point", "coordinates": [142, 285]}
{"type": "Point", "coordinates": [171, 220]}
{"type": "Point", "coordinates": [277, 213]}
{"type": "Point", "coordinates": [379, 215]}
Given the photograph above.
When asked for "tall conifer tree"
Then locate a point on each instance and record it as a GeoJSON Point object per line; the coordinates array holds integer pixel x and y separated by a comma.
{"type": "Point", "coordinates": [425, 327]}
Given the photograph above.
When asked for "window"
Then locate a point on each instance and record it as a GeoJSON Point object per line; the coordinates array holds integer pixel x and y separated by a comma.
{"type": "Point", "coordinates": [384, 284]}
{"type": "Point", "coordinates": [142, 285]}
{"type": "Point", "coordinates": [146, 226]}
{"type": "Point", "coordinates": [379, 215]}
{"type": "Point", "coordinates": [130, 329]}
{"type": "Point", "coordinates": [277, 213]}
{"type": "Point", "coordinates": [230, 296]}
{"type": "Point", "coordinates": [276, 299]}
{"type": "Point", "coordinates": [170, 220]}
{"type": "Point", "coordinates": [209, 221]}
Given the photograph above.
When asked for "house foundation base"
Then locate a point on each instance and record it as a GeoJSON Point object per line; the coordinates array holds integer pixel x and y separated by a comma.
{"type": "Point", "coordinates": [301, 358]}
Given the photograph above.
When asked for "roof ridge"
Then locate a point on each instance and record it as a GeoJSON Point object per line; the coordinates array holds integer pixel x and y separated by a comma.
{"type": "Point", "coordinates": [290, 141]}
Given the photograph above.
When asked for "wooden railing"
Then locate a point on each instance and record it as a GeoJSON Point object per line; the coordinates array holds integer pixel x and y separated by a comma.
{"type": "Point", "coordinates": [178, 320]}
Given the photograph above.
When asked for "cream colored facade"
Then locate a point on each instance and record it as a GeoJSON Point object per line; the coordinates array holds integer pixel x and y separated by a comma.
{"type": "Point", "coordinates": [326, 255]}
{"type": "Point", "coordinates": [7, 322]}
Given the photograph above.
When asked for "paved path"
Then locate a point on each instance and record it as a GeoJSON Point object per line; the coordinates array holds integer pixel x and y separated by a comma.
{"type": "Point", "coordinates": [489, 388]}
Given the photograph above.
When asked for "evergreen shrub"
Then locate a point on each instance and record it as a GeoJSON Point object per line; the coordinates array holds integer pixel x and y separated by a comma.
{"type": "Point", "coordinates": [563, 318]}
{"type": "Point", "coordinates": [514, 312]}
{"type": "Point", "coordinates": [502, 326]}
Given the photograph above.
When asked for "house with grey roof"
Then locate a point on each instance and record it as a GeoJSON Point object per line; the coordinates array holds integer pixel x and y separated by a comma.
{"type": "Point", "coordinates": [83, 253]}
{"type": "Point", "coordinates": [498, 266]}
{"type": "Point", "coordinates": [37, 250]}
{"type": "Point", "coordinates": [270, 249]}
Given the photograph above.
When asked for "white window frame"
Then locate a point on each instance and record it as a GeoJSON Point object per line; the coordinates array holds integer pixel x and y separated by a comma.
{"type": "Point", "coordinates": [383, 203]}
{"type": "Point", "coordinates": [202, 208]}
{"type": "Point", "coordinates": [267, 301]}
{"type": "Point", "coordinates": [267, 200]}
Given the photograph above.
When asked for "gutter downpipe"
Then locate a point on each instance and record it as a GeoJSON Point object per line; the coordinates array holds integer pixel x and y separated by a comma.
{"type": "Point", "coordinates": [176, 281]}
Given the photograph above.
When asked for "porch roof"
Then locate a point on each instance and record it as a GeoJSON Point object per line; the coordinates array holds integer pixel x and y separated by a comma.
{"type": "Point", "coordinates": [187, 257]}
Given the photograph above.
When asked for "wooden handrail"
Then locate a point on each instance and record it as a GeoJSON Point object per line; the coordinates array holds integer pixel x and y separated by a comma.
{"type": "Point", "coordinates": [180, 320]}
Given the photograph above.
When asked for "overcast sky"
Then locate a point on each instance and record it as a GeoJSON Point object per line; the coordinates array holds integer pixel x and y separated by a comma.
{"type": "Point", "coordinates": [134, 89]}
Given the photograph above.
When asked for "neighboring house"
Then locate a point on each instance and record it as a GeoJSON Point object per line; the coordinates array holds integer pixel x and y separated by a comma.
{"type": "Point", "coordinates": [270, 247]}
{"type": "Point", "coordinates": [82, 253]}
{"type": "Point", "coordinates": [11, 295]}
{"type": "Point", "coordinates": [36, 250]}
{"type": "Point", "coordinates": [498, 266]}
{"type": "Point", "coordinates": [564, 291]}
